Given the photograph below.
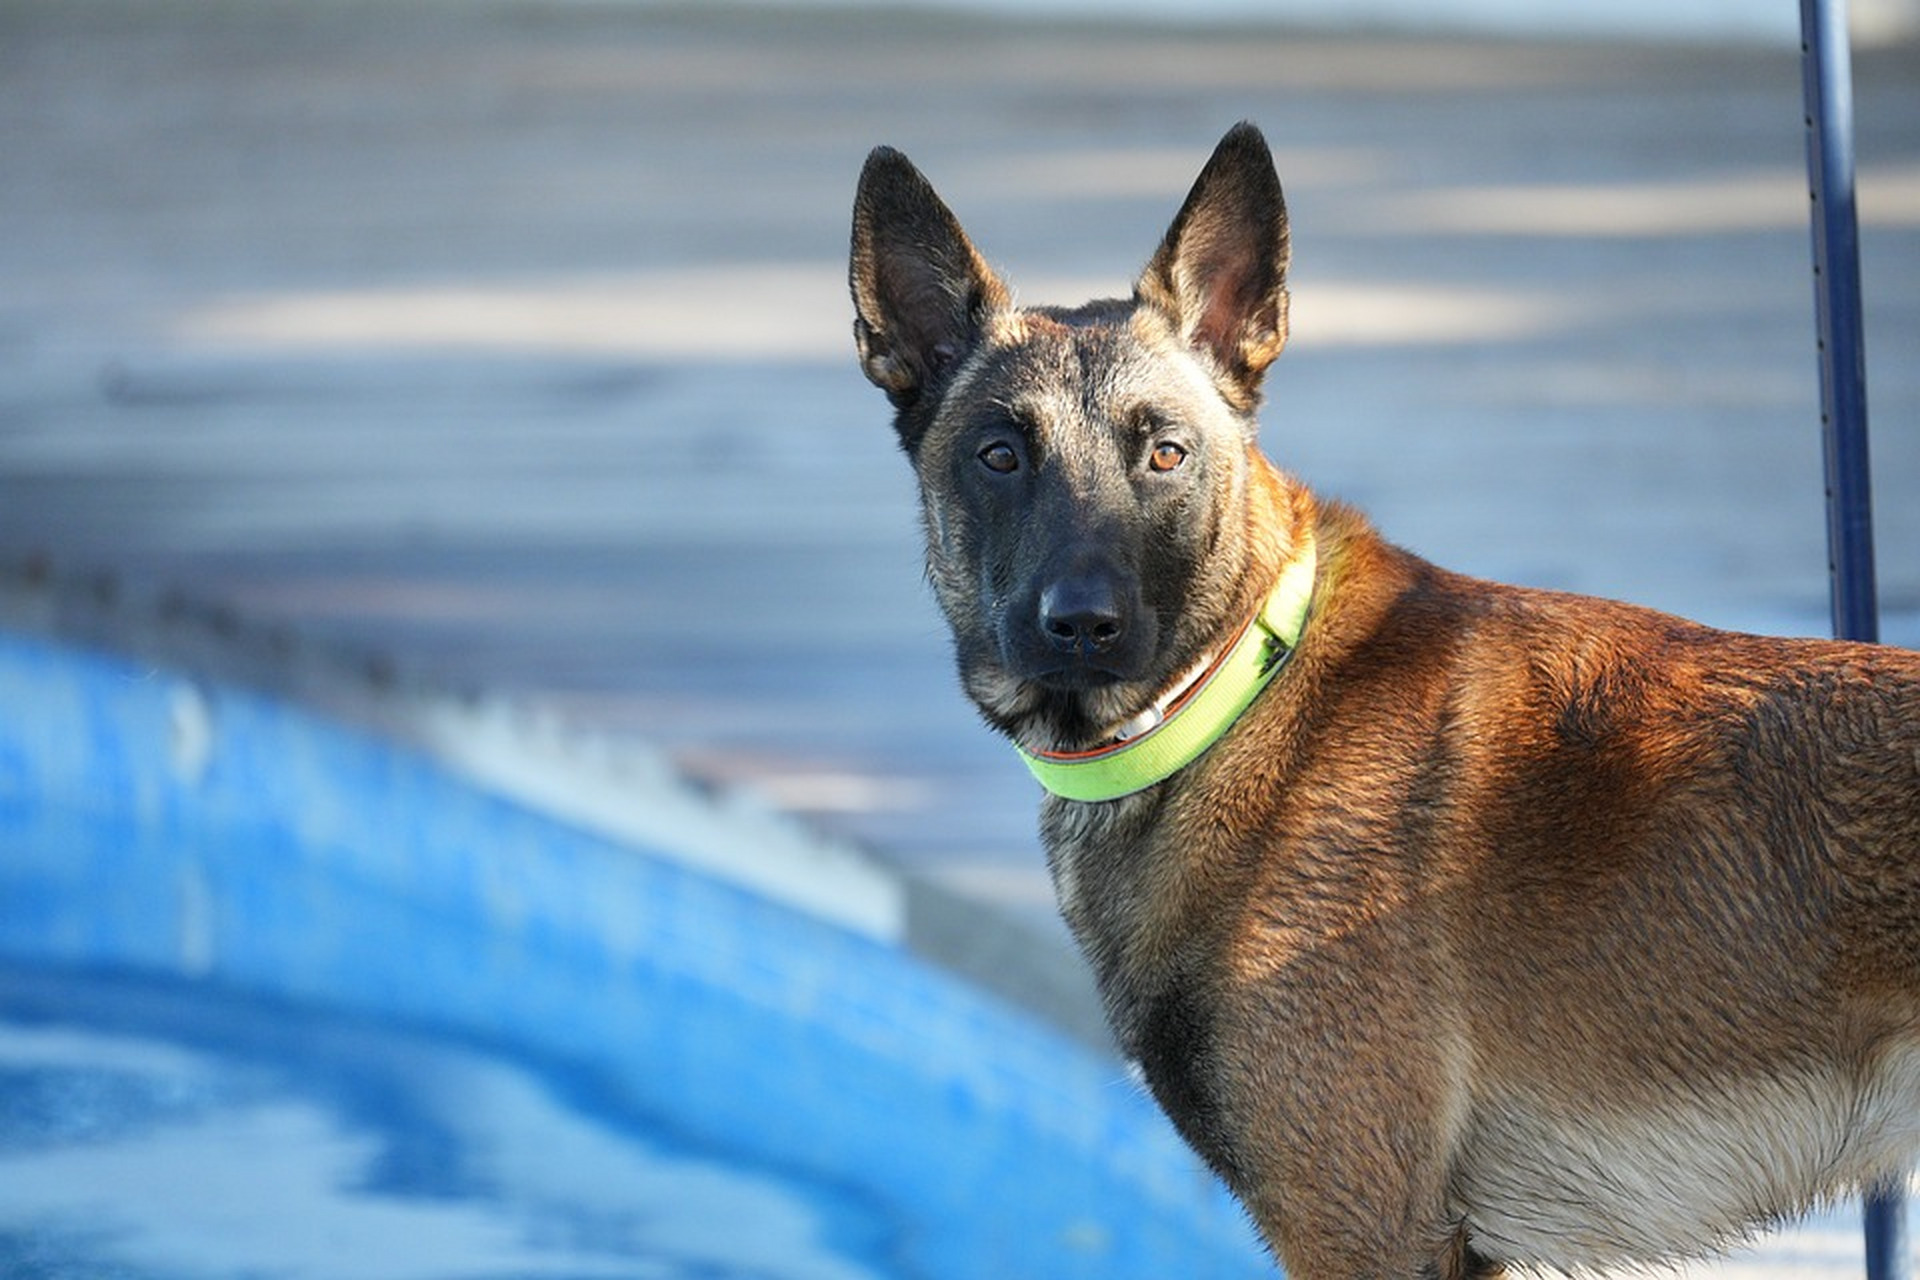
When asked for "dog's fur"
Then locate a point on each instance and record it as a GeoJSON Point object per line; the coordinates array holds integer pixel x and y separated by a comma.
{"type": "Point", "coordinates": [1506, 926]}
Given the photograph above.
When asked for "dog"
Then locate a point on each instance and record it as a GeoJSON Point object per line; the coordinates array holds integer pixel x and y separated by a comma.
{"type": "Point", "coordinates": [1456, 925]}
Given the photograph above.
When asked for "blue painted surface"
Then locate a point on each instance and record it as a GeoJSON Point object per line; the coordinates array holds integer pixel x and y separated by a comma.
{"type": "Point", "coordinates": [165, 1130]}
{"type": "Point", "coordinates": [230, 853]}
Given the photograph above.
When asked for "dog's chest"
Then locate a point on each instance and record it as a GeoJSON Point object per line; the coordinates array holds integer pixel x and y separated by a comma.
{"type": "Point", "coordinates": [1113, 892]}
{"type": "Point", "coordinates": [1176, 1044]}
{"type": "Point", "coordinates": [1094, 855]}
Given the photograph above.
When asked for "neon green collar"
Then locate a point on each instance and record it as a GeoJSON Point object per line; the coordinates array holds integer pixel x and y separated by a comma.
{"type": "Point", "coordinates": [1197, 714]}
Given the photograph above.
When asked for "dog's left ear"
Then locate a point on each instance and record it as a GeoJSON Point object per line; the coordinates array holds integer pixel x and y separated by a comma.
{"type": "Point", "coordinates": [1220, 276]}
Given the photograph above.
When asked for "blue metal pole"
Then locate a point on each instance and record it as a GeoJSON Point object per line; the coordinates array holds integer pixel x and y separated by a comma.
{"type": "Point", "coordinates": [1827, 75]}
{"type": "Point", "coordinates": [1885, 1224]}
{"type": "Point", "coordinates": [1826, 69]}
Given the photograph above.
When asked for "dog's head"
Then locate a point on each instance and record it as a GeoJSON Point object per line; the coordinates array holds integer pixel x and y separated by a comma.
{"type": "Point", "coordinates": [1086, 472]}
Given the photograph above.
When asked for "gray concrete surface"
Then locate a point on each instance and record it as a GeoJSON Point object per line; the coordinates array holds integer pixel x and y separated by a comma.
{"type": "Point", "coordinates": [506, 342]}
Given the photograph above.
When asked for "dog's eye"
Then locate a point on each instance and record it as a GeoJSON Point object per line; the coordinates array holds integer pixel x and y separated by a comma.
{"type": "Point", "coordinates": [999, 457]}
{"type": "Point", "coordinates": [1167, 456]}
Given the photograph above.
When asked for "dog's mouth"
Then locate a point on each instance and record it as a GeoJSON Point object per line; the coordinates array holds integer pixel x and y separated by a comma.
{"type": "Point", "coordinates": [1114, 706]}
{"type": "Point", "coordinates": [1074, 704]}
{"type": "Point", "coordinates": [1079, 677]}
{"type": "Point", "coordinates": [1078, 672]}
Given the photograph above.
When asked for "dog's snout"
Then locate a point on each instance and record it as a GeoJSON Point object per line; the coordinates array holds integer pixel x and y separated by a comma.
{"type": "Point", "coordinates": [1083, 625]}
{"type": "Point", "coordinates": [1082, 614]}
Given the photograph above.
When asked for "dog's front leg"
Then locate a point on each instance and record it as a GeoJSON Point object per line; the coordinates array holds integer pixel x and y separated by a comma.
{"type": "Point", "coordinates": [1330, 1229]}
{"type": "Point", "coordinates": [1349, 1125]}
{"type": "Point", "coordinates": [1315, 1246]}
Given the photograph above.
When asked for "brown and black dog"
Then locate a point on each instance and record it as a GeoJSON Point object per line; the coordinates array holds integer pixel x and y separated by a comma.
{"type": "Point", "coordinates": [1481, 925]}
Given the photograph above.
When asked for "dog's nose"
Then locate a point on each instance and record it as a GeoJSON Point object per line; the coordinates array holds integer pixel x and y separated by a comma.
{"type": "Point", "coordinates": [1081, 615]}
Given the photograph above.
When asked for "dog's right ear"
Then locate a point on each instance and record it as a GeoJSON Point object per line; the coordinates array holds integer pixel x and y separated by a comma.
{"type": "Point", "coordinates": [921, 292]}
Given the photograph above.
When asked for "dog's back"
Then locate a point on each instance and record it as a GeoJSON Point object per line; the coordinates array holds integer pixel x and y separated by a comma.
{"type": "Point", "coordinates": [1638, 902]}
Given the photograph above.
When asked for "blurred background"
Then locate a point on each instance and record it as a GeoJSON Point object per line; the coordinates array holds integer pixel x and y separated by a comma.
{"type": "Point", "coordinates": [490, 360]}
{"type": "Point", "coordinates": [507, 343]}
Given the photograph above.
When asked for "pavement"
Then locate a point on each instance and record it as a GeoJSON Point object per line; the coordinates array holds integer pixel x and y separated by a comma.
{"type": "Point", "coordinates": [501, 347]}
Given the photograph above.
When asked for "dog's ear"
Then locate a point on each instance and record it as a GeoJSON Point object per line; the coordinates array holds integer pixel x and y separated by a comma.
{"type": "Point", "coordinates": [921, 292]}
{"type": "Point", "coordinates": [1220, 276]}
